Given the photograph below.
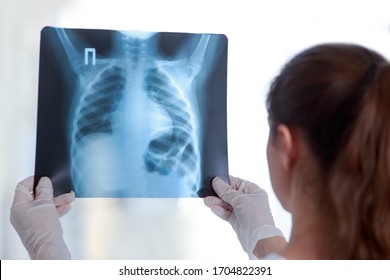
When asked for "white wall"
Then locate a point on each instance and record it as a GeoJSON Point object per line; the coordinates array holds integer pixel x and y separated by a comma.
{"type": "Point", "coordinates": [262, 36]}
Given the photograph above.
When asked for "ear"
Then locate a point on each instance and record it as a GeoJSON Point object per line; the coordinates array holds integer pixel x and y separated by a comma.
{"type": "Point", "coordinates": [287, 146]}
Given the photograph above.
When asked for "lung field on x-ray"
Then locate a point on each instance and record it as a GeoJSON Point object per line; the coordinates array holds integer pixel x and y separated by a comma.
{"type": "Point", "coordinates": [176, 147]}
{"type": "Point", "coordinates": [135, 127]}
{"type": "Point", "coordinates": [100, 103]}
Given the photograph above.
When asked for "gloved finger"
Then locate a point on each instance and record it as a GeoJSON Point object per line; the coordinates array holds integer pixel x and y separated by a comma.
{"type": "Point", "coordinates": [216, 201]}
{"type": "Point", "coordinates": [243, 186]}
{"type": "Point", "coordinates": [224, 190]}
{"type": "Point", "coordinates": [64, 199]}
{"type": "Point", "coordinates": [23, 191]}
{"type": "Point", "coordinates": [219, 207]}
{"type": "Point", "coordinates": [64, 209]}
{"type": "Point", "coordinates": [221, 212]}
{"type": "Point", "coordinates": [44, 189]}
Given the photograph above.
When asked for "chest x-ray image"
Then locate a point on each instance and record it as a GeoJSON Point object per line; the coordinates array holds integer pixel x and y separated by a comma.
{"type": "Point", "coordinates": [131, 114]}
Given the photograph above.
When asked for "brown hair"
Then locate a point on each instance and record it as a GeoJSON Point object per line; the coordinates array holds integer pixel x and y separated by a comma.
{"type": "Point", "coordinates": [338, 95]}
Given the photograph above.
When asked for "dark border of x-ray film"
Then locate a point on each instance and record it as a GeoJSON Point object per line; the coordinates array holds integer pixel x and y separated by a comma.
{"type": "Point", "coordinates": [55, 80]}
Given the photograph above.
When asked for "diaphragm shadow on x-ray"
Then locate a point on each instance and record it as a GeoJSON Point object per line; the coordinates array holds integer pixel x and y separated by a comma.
{"type": "Point", "coordinates": [131, 114]}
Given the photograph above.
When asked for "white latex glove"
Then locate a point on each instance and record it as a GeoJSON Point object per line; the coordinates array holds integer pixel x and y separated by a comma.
{"type": "Point", "coordinates": [36, 219]}
{"type": "Point", "coordinates": [245, 206]}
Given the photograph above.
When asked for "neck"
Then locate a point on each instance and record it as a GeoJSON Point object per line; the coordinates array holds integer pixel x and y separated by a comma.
{"type": "Point", "coordinates": [311, 236]}
{"type": "Point", "coordinates": [304, 246]}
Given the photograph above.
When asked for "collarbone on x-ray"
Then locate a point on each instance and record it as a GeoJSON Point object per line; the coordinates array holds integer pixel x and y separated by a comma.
{"type": "Point", "coordinates": [134, 127]}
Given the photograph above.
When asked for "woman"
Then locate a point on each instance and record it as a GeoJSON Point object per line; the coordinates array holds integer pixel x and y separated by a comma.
{"type": "Point", "coordinates": [329, 159]}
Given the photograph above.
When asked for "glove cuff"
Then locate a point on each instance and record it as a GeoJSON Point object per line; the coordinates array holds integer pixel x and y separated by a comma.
{"type": "Point", "coordinates": [262, 232]}
{"type": "Point", "coordinates": [51, 251]}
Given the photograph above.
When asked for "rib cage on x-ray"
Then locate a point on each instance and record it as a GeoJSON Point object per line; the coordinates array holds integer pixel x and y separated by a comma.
{"type": "Point", "coordinates": [134, 68]}
{"type": "Point", "coordinates": [100, 101]}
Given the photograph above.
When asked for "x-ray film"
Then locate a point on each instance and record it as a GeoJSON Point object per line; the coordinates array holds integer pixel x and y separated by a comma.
{"type": "Point", "coordinates": [131, 114]}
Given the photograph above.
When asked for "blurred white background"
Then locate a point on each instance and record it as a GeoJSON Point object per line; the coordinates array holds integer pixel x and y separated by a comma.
{"type": "Point", "coordinates": [262, 35]}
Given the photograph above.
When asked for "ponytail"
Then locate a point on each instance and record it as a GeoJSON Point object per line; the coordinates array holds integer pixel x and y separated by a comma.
{"type": "Point", "coordinates": [360, 177]}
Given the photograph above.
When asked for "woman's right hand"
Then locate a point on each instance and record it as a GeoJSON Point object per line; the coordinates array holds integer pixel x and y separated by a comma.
{"type": "Point", "coordinates": [245, 206]}
{"type": "Point", "coordinates": [36, 219]}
